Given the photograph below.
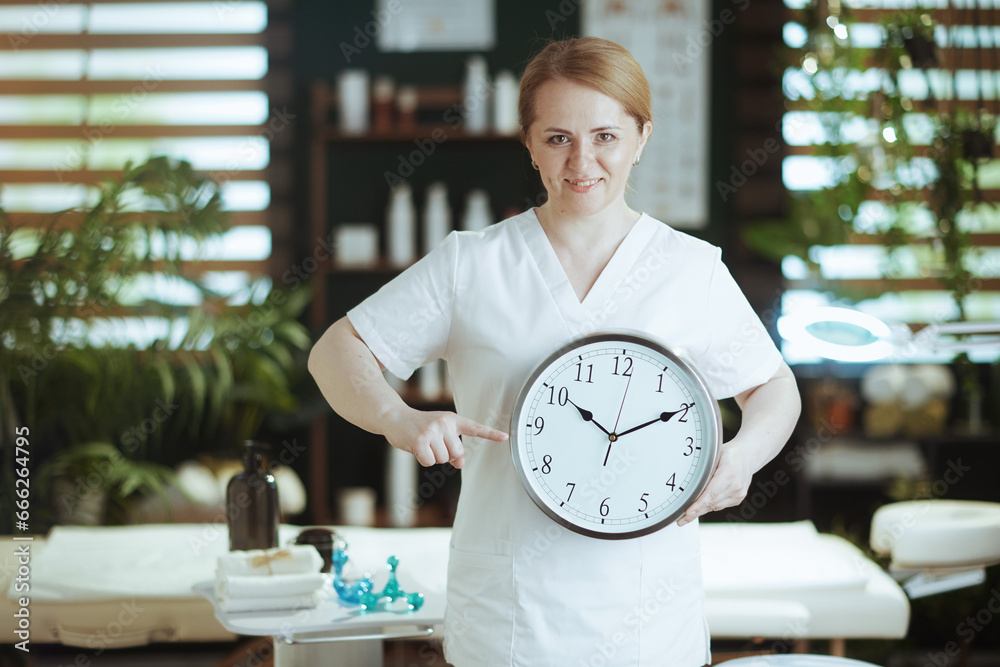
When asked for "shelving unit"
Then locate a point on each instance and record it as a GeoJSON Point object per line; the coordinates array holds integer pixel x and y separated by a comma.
{"type": "Point", "coordinates": [437, 120]}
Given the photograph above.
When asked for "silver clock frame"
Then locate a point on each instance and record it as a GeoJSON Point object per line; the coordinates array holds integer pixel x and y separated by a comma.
{"type": "Point", "coordinates": [713, 427]}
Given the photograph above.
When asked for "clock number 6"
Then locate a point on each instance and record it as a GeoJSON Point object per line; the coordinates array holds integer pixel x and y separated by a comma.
{"type": "Point", "coordinates": [563, 395]}
{"type": "Point", "coordinates": [604, 506]}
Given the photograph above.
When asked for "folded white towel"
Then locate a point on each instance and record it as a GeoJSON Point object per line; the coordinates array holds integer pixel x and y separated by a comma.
{"type": "Point", "coordinates": [275, 586]}
{"type": "Point", "coordinates": [232, 605]}
{"type": "Point", "coordinates": [264, 562]}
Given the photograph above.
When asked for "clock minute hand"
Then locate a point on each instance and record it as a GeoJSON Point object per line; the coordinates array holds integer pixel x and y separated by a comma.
{"type": "Point", "coordinates": [664, 416]}
{"type": "Point", "coordinates": [588, 416]}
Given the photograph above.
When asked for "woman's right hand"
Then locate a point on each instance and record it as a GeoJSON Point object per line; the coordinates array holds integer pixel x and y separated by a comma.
{"type": "Point", "coordinates": [434, 437]}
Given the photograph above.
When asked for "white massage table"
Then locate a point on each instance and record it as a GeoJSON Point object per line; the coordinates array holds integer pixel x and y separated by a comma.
{"type": "Point", "coordinates": [127, 586]}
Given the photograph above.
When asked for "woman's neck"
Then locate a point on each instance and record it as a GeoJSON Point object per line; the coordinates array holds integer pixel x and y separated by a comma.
{"type": "Point", "coordinates": [573, 233]}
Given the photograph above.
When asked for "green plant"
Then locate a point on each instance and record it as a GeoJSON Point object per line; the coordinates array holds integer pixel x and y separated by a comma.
{"type": "Point", "coordinates": [101, 407]}
{"type": "Point", "coordinates": [874, 133]}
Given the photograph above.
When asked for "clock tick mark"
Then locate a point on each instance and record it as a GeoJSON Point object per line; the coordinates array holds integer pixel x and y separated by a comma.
{"type": "Point", "coordinates": [647, 515]}
{"type": "Point", "coordinates": [534, 469]}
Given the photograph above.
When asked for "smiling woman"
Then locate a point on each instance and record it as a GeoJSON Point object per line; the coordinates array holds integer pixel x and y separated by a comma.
{"type": "Point", "coordinates": [505, 298]}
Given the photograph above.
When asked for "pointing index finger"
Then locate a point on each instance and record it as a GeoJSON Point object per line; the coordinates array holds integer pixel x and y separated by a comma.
{"type": "Point", "coordinates": [477, 430]}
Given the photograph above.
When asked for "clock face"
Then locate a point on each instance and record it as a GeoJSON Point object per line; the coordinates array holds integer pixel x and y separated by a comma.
{"type": "Point", "coordinates": [614, 436]}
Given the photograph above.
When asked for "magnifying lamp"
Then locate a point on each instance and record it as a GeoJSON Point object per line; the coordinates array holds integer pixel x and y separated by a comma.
{"type": "Point", "coordinates": [845, 334]}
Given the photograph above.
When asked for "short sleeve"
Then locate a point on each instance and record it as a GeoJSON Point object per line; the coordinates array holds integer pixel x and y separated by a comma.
{"type": "Point", "coordinates": [407, 322]}
{"type": "Point", "coordinates": [740, 354]}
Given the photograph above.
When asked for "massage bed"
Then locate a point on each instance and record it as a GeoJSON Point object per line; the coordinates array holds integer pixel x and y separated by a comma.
{"type": "Point", "coordinates": [107, 587]}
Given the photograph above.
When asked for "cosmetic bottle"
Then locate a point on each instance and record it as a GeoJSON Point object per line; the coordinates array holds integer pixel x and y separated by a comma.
{"type": "Point", "coordinates": [476, 93]}
{"type": "Point", "coordinates": [505, 95]}
{"type": "Point", "coordinates": [252, 509]}
{"type": "Point", "coordinates": [401, 224]}
{"type": "Point", "coordinates": [437, 216]}
{"type": "Point", "coordinates": [477, 214]}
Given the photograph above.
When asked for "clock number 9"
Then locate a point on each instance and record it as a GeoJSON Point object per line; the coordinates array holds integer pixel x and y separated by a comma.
{"type": "Point", "coordinates": [690, 449]}
{"type": "Point", "coordinates": [539, 424]}
{"type": "Point", "coordinates": [563, 395]}
{"type": "Point", "coordinates": [546, 464]}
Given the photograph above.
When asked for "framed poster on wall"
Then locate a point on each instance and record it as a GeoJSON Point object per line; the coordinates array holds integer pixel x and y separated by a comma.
{"type": "Point", "coordinates": [671, 40]}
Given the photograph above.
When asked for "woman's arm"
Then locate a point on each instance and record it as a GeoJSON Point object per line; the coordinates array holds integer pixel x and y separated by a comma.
{"type": "Point", "coordinates": [770, 412]}
{"type": "Point", "coordinates": [351, 380]}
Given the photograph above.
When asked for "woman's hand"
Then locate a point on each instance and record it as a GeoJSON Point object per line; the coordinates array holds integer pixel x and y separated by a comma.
{"type": "Point", "coordinates": [728, 485]}
{"type": "Point", "coordinates": [433, 437]}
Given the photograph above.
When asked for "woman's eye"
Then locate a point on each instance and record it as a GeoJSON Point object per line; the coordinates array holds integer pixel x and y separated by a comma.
{"type": "Point", "coordinates": [605, 137]}
{"type": "Point", "coordinates": [558, 139]}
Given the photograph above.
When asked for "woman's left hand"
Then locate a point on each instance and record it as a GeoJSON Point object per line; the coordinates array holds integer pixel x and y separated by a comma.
{"type": "Point", "coordinates": [728, 485]}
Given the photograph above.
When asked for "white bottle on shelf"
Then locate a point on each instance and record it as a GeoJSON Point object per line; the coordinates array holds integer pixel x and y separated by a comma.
{"type": "Point", "coordinates": [430, 380]}
{"type": "Point", "coordinates": [401, 227]}
{"type": "Point", "coordinates": [476, 95]}
{"type": "Point", "coordinates": [352, 96]}
{"type": "Point", "coordinates": [437, 216]}
{"type": "Point", "coordinates": [401, 487]}
{"type": "Point", "coordinates": [477, 215]}
{"type": "Point", "coordinates": [505, 94]}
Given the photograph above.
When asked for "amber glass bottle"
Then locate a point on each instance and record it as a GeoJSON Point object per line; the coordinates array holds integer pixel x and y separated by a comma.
{"type": "Point", "coordinates": [252, 509]}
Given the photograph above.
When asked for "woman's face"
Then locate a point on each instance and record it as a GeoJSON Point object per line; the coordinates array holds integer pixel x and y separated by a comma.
{"type": "Point", "coordinates": [584, 144]}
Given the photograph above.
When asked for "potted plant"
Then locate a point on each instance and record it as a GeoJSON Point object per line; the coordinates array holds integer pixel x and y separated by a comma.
{"type": "Point", "coordinates": [106, 414]}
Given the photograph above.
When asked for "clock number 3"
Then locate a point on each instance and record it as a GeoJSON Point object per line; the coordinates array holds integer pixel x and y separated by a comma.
{"type": "Point", "coordinates": [690, 444]}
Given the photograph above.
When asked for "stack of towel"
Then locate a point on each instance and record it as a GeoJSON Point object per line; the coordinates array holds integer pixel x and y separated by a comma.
{"type": "Point", "coordinates": [269, 579]}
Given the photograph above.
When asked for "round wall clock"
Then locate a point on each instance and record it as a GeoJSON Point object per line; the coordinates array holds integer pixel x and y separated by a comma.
{"type": "Point", "coordinates": [614, 436]}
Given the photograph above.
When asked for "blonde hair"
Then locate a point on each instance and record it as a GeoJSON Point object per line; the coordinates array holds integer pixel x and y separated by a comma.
{"type": "Point", "coordinates": [597, 63]}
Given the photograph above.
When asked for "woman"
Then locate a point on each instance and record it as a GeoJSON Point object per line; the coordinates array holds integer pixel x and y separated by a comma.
{"type": "Point", "coordinates": [521, 589]}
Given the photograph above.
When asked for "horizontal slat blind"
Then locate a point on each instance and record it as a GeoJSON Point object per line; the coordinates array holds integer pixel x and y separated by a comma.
{"type": "Point", "coordinates": [905, 285]}
{"type": "Point", "coordinates": [86, 87]}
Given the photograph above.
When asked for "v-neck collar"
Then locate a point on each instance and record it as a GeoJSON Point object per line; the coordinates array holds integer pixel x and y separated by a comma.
{"type": "Point", "coordinates": [607, 283]}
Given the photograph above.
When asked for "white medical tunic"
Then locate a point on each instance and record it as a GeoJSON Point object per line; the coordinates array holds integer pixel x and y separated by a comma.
{"type": "Point", "coordinates": [523, 590]}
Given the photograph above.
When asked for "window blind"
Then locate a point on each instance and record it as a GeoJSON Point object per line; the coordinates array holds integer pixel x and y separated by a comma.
{"type": "Point", "coordinates": [87, 87]}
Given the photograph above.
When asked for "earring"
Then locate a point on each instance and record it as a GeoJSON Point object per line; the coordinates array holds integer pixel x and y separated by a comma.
{"type": "Point", "coordinates": [533, 164]}
{"type": "Point", "coordinates": [636, 163]}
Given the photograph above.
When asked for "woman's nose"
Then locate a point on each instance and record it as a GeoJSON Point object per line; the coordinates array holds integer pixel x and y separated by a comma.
{"type": "Point", "coordinates": [582, 153]}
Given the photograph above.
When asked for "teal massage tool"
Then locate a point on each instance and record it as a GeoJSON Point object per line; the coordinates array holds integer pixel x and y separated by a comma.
{"type": "Point", "coordinates": [349, 593]}
{"type": "Point", "coordinates": [389, 599]}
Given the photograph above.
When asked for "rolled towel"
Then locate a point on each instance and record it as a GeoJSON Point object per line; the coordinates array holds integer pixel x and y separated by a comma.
{"type": "Point", "coordinates": [274, 586]}
{"type": "Point", "coordinates": [233, 605]}
{"type": "Point", "coordinates": [295, 559]}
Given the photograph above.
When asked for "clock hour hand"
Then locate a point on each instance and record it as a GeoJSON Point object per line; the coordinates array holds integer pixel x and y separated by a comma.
{"type": "Point", "coordinates": [588, 416]}
{"type": "Point", "coordinates": [664, 416]}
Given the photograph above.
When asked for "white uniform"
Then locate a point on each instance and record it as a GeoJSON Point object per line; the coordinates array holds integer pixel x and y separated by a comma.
{"type": "Point", "coordinates": [521, 589]}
